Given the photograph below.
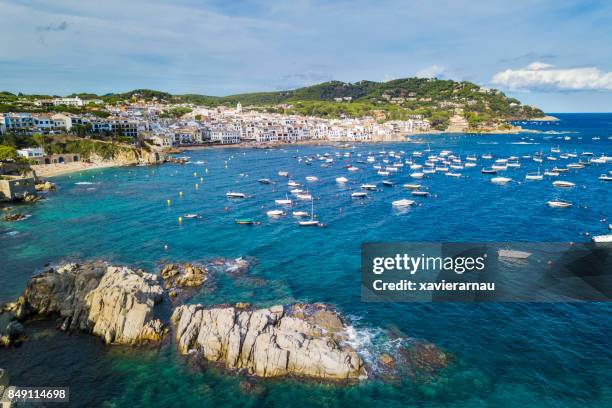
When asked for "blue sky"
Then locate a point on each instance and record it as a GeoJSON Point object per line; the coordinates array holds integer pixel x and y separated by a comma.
{"type": "Point", "coordinates": [553, 54]}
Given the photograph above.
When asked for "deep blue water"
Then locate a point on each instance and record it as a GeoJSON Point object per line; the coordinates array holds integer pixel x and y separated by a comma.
{"type": "Point", "coordinates": [507, 354]}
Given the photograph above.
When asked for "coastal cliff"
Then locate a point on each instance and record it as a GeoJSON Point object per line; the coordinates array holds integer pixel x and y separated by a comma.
{"type": "Point", "coordinates": [270, 342]}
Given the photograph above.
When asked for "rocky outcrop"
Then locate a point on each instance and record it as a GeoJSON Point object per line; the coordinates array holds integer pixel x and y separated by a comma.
{"type": "Point", "coordinates": [11, 335]}
{"type": "Point", "coordinates": [271, 342]}
{"type": "Point", "coordinates": [45, 186]}
{"type": "Point", "coordinates": [183, 275]}
{"type": "Point", "coordinates": [115, 303]}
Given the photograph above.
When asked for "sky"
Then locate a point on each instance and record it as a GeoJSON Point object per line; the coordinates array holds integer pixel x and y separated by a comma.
{"type": "Point", "coordinates": [554, 54]}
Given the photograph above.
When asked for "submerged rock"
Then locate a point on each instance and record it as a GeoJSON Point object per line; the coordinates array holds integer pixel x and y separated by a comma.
{"type": "Point", "coordinates": [15, 217]}
{"type": "Point", "coordinates": [115, 303]}
{"type": "Point", "coordinates": [13, 334]}
{"type": "Point", "coordinates": [269, 342]}
{"type": "Point", "coordinates": [183, 275]}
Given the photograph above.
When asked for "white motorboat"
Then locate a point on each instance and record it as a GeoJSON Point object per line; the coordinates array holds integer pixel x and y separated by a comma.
{"type": "Point", "coordinates": [283, 173]}
{"type": "Point", "coordinates": [305, 196]}
{"type": "Point", "coordinates": [311, 178]}
{"type": "Point", "coordinates": [412, 186]}
{"type": "Point", "coordinates": [563, 183]}
{"type": "Point", "coordinates": [382, 173]}
{"type": "Point", "coordinates": [292, 183]}
{"type": "Point", "coordinates": [501, 180]}
{"type": "Point", "coordinates": [265, 181]}
{"type": "Point", "coordinates": [359, 194]}
{"type": "Point", "coordinates": [605, 177]}
{"type": "Point", "coordinates": [371, 187]}
{"type": "Point", "coordinates": [575, 166]}
{"type": "Point", "coordinates": [352, 168]}
{"type": "Point", "coordinates": [341, 180]}
{"type": "Point", "coordinates": [402, 203]}
{"type": "Point", "coordinates": [235, 195]}
{"type": "Point", "coordinates": [416, 167]}
{"type": "Point", "coordinates": [559, 204]}
{"type": "Point", "coordinates": [190, 216]}
{"type": "Point", "coordinates": [420, 193]}
{"type": "Point", "coordinates": [470, 164]}
{"type": "Point", "coordinates": [285, 201]}
{"type": "Point", "coordinates": [602, 238]}
{"type": "Point", "coordinates": [417, 175]}
{"type": "Point", "coordinates": [300, 214]}
{"type": "Point", "coordinates": [275, 213]}
{"type": "Point", "coordinates": [451, 174]}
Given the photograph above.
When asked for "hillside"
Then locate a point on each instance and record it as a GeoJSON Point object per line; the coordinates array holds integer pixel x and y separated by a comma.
{"type": "Point", "coordinates": [435, 99]}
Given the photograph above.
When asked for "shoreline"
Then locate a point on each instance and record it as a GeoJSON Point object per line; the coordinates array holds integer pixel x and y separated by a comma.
{"type": "Point", "coordinates": [54, 170]}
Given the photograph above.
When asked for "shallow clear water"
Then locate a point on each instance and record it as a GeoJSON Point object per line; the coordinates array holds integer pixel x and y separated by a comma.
{"type": "Point", "coordinates": [508, 354]}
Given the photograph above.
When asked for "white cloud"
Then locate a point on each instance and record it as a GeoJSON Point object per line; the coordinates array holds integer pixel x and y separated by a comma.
{"type": "Point", "coordinates": [433, 71]}
{"type": "Point", "coordinates": [539, 75]}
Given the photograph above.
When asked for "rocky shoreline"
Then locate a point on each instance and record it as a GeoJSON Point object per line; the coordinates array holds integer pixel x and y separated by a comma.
{"type": "Point", "coordinates": [122, 306]}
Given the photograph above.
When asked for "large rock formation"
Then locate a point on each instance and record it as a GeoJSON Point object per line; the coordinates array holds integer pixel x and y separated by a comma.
{"type": "Point", "coordinates": [271, 342]}
{"type": "Point", "coordinates": [115, 303]}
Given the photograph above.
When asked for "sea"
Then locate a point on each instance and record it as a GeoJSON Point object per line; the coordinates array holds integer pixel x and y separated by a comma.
{"type": "Point", "coordinates": [504, 354]}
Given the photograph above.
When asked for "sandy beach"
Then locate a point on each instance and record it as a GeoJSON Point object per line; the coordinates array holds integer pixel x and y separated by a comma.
{"type": "Point", "coordinates": [51, 170]}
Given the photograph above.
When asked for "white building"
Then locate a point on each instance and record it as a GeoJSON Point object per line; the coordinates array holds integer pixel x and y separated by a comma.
{"type": "Point", "coordinates": [31, 152]}
{"type": "Point", "coordinates": [76, 101]}
{"type": "Point", "coordinates": [225, 136]}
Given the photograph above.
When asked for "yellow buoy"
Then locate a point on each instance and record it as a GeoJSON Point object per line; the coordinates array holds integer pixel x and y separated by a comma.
{"type": "Point", "coordinates": [180, 220]}
{"type": "Point", "coordinates": [180, 193]}
{"type": "Point", "coordinates": [201, 179]}
{"type": "Point", "coordinates": [197, 186]}
{"type": "Point", "coordinates": [207, 170]}
{"type": "Point", "coordinates": [168, 201]}
{"type": "Point", "coordinates": [195, 174]}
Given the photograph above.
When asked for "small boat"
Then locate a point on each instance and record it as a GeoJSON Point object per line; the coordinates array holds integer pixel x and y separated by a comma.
{"type": "Point", "coordinates": [300, 214]}
{"type": "Point", "coordinates": [559, 170]}
{"type": "Point", "coordinates": [245, 221]}
{"type": "Point", "coordinates": [359, 194]}
{"type": "Point", "coordinates": [487, 156]}
{"type": "Point", "coordinates": [428, 171]}
{"type": "Point", "coordinates": [416, 167]}
{"type": "Point", "coordinates": [499, 167]}
{"type": "Point", "coordinates": [534, 176]}
{"type": "Point", "coordinates": [605, 177]}
{"type": "Point", "coordinates": [511, 253]}
{"type": "Point", "coordinates": [488, 171]}
{"type": "Point", "coordinates": [296, 191]}
{"type": "Point", "coordinates": [265, 181]}
{"type": "Point", "coordinates": [563, 183]}
{"type": "Point", "coordinates": [292, 183]}
{"type": "Point", "coordinates": [341, 180]}
{"type": "Point", "coordinates": [371, 187]}
{"type": "Point", "coordinates": [283, 173]}
{"type": "Point", "coordinates": [551, 173]}
{"type": "Point", "coordinates": [602, 238]}
{"type": "Point", "coordinates": [470, 164]}
{"type": "Point", "coordinates": [412, 186]}
{"type": "Point", "coordinates": [190, 216]}
{"type": "Point", "coordinates": [352, 168]}
{"type": "Point", "coordinates": [235, 195]}
{"type": "Point", "coordinates": [559, 204]}
{"type": "Point", "coordinates": [420, 193]}
{"type": "Point", "coordinates": [311, 178]}
{"type": "Point", "coordinates": [305, 196]}
{"type": "Point", "coordinates": [387, 183]}
{"type": "Point", "coordinates": [285, 201]}
{"type": "Point", "coordinates": [382, 173]}
{"type": "Point", "coordinates": [501, 180]}
{"type": "Point", "coordinates": [451, 174]}
{"type": "Point", "coordinates": [575, 166]}
{"type": "Point", "coordinates": [311, 222]}
{"type": "Point", "coordinates": [417, 175]}
{"type": "Point", "coordinates": [275, 213]}
{"type": "Point", "coordinates": [402, 203]}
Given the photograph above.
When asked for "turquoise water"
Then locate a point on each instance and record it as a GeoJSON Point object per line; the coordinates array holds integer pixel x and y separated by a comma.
{"type": "Point", "coordinates": [507, 354]}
